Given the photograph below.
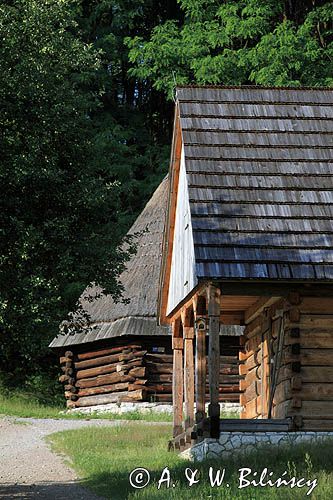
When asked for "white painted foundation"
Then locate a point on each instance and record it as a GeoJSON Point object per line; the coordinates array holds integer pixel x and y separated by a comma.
{"type": "Point", "coordinates": [123, 408]}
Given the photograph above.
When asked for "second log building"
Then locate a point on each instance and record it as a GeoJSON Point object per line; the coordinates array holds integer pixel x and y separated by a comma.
{"type": "Point", "coordinates": [123, 355]}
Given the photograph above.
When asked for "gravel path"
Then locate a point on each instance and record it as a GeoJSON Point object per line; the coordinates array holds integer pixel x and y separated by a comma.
{"type": "Point", "coordinates": [28, 468]}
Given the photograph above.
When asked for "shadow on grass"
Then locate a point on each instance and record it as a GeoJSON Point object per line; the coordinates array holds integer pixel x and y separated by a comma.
{"type": "Point", "coordinates": [301, 461]}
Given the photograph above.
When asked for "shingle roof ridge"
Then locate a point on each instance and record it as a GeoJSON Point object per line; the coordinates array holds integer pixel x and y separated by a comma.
{"type": "Point", "coordinates": [258, 87]}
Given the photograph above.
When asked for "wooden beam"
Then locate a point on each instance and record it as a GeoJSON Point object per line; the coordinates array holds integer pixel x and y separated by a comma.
{"type": "Point", "coordinates": [253, 311]}
{"type": "Point", "coordinates": [275, 289]}
{"type": "Point", "coordinates": [199, 304]}
{"type": "Point", "coordinates": [200, 374]}
{"type": "Point", "coordinates": [200, 320]}
{"type": "Point", "coordinates": [187, 303]}
{"type": "Point", "coordinates": [188, 334]}
{"type": "Point", "coordinates": [232, 318]}
{"type": "Point", "coordinates": [186, 315]}
{"type": "Point", "coordinates": [313, 305]}
{"type": "Point", "coordinates": [188, 376]}
{"type": "Point", "coordinates": [214, 294]}
{"type": "Point", "coordinates": [177, 381]}
{"type": "Point", "coordinates": [105, 352]}
{"type": "Point", "coordinates": [116, 397]}
{"type": "Point", "coordinates": [171, 216]}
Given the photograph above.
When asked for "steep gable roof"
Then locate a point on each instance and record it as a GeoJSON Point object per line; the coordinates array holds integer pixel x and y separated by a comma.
{"type": "Point", "coordinates": [259, 171]}
{"type": "Point", "coordinates": [140, 280]}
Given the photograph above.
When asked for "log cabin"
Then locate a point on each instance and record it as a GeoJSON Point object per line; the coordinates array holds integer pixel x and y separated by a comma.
{"type": "Point", "coordinates": [123, 355]}
{"type": "Point", "coordinates": [248, 241]}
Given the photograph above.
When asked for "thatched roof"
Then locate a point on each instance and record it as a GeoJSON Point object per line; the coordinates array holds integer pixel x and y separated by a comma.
{"type": "Point", "coordinates": [140, 281]}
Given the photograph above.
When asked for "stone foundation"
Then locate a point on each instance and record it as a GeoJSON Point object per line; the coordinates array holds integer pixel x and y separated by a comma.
{"type": "Point", "coordinates": [230, 443]}
{"type": "Point", "coordinates": [123, 408]}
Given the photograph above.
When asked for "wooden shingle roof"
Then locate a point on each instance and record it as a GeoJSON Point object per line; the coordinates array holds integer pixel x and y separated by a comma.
{"type": "Point", "coordinates": [259, 168]}
{"type": "Point", "coordinates": [140, 281]}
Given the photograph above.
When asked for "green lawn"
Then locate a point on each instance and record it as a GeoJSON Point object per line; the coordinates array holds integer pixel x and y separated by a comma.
{"type": "Point", "coordinates": [22, 404]}
{"type": "Point", "coordinates": [104, 458]}
{"type": "Point", "coordinates": [25, 404]}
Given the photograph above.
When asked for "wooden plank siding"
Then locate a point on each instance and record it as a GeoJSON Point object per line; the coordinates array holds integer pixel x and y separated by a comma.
{"type": "Point", "coordinates": [182, 276]}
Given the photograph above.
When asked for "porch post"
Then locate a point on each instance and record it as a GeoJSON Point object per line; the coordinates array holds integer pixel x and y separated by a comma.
{"type": "Point", "coordinates": [188, 376]}
{"type": "Point", "coordinates": [177, 378]}
{"type": "Point", "coordinates": [200, 358]}
{"type": "Point", "coordinates": [214, 295]}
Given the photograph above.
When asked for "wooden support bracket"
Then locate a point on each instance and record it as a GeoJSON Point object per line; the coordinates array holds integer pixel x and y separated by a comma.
{"type": "Point", "coordinates": [188, 332]}
{"type": "Point", "coordinates": [294, 298]}
{"type": "Point", "coordinates": [177, 343]}
{"type": "Point", "coordinates": [294, 315]}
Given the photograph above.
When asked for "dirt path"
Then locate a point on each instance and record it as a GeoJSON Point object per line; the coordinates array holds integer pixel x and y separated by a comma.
{"type": "Point", "coordinates": [28, 468]}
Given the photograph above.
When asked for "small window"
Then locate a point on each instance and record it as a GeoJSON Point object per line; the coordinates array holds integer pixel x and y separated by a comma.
{"type": "Point", "coordinates": [158, 349]}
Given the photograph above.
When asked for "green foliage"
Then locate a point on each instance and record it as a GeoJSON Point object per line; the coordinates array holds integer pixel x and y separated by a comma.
{"type": "Point", "coordinates": [131, 121]}
{"type": "Point", "coordinates": [38, 396]}
{"type": "Point", "coordinates": [239, 42]}
{"type": "Point", "coordinates": [83, 148]}
{"type": "Point", "coordinates": [86, 131]}
{"type": "Point", "coordinates": [297, 55]}
{"type": "Point", "coordinates": [59, 221]}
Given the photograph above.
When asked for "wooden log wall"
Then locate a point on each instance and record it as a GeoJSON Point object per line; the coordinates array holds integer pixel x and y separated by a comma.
{"type": "Point", "coordinates": [159, 374]}
{"type": "Point", "coordinates": [306, 387]}
{"type": "Point", "coordinates": [129, 372]}
{"type": "Point", "coordinates": [250, 369]}
{"type": "Point", "coordinates": [260, 357]}
{"type": "Point", "coordinates": [303, 389]}
{"type": "Point", "coordinates": [104, 376]}
{"type": "Point", "coordinates": [229, 388]}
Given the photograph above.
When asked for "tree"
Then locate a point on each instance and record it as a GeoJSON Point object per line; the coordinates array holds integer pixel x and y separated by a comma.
{"type": "Point", "coordinates": [60, 195]}
{"type": "Point", "coordinates": [236, 42]}
{"type": "Point", "coordinates": [134, 118]}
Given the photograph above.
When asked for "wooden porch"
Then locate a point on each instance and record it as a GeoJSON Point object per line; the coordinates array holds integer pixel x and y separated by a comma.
{"type": "Point", "coordinates": [282, 332]}
{"type": "Point", "coordinates": [197, 324]}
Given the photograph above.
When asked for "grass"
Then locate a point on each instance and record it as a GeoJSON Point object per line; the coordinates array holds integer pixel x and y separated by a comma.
{"type": "Point", "coordinates": [104, 458]}
{"type": "Point", "coordinates": [23, 404]}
